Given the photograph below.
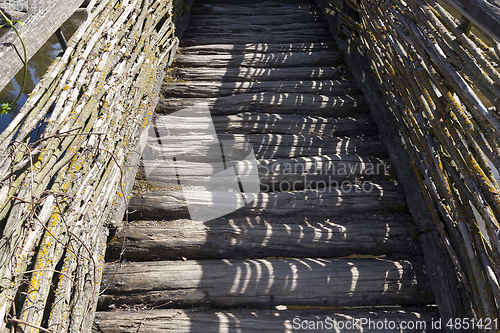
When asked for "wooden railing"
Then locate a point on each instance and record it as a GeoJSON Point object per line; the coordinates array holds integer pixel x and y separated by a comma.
{"type": "Point", "coordinates": [39, 25]}
{"type": "Point", "coordinates": [442, 83]}
{"type": "Point", "coordinates": [68, 159]}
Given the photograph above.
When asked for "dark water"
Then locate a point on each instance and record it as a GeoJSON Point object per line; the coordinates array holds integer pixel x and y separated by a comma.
{"type": "Point", "coordinates": [37, 66]}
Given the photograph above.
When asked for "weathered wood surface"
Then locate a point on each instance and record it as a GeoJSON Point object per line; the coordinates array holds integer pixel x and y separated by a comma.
{"type": "Point", "coordinates": [211, 89]}
{"type": "Point", "coordinates": [483, 13]}
{"type": "Point", "coordinates": [267, 282]}
{"type": "Point", "coordinates": [300, 104]}
{"type": "Point", "coordinates": [240, 48]}
{"type": "Point", "coordinates": [284, 35]}
{"type": "Point", "coordinates": [241, 238]}
{"type": "Point", "coordinates": [266, 321]}
{"type": "Point", "coordinates": [314, 27]}
{"type": "Point", "coordinates": [253, 38]}
{"type": "Point", "coordinates": [256, 74]}
{"type": "Point", "coordinates": [279, 146]}
{"type": "Point", "coordinates": [298, 172]}
{"type": "Point", "coordinates": [256, 19]}
{"type": "Point", "coordinates": [268, 123]}
{"type": "Point", "coordinates": [51, 262]}
{"type": "Point", "coordinates": [288, 59]}
{"type": "Point", "coordinates": [12, 15]}
{"type": "Point", "coordinates": [182, 22]}
{"type": "Point", "coordinates": [39, 25]}
{"type": "Point", "coordinates": [321, 220]}
{"type": "Point", "coordinates": [271, 8]}
{"type": "Point", "coordinates": [326, 201]}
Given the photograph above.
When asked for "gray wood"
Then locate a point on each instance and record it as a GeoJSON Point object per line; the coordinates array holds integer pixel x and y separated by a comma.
{"type": "Point", "coordinates": [267, 123]}
{"type": "Point", "coordinates": [288, 59]}
{"type": "Point", "coordinates": [259, 9]}
{"type": "Point", "coordinates": [253, 2]}
{"type": "Point", "coordinates": [281, 146]}
{"type": "Point", "coordinates": [329, 201]}
{"type": "Point", "coordinates": [267, 282]}
{"type": "Point", "coordinates": [255, 74]}
{"type": "Point", "coordinates": [257, 19]}
{"type": "Point", "coordinates": [286, 145]}
{"type": "Point", "coordinates": [483, 13]}
{"type": "Point", "coordinates": [300, 171]}
{"type": "Point", "coordinates": [247, 238]}
{"type": "Point", "coordinates": [320, 27]}
{"type": "Point", "coordinates": [450, 295]}
{"type": "Point", "coordinates": [136, 149]}
{"type": "Point", "coordinates": [38, 27]}
{"type": "Point", "coordinates": [62, 278]}
{"type": "Point", "coordinates": [252, 38]}
{"type": "Point", "coordinates": [243, 31]}
{"type": "Point", "coordinates": [183, 22]}
{"type": "Point", "coordinates": [259, 48]}
{"type": "Point", "coordinates": [225, 6]}
{"type": "Point", "coordinates": [211, 89]}
{"type": "Point", "coordinates": [302, 104]}
{"type": "Point", "coordinates": [326, 169]}
{"type": "Point", "coordinates": [12, 15]}
{"type": "Point", "coordinates": [295, 124]}
{"type": "Point", "coordinates": [265, 321]}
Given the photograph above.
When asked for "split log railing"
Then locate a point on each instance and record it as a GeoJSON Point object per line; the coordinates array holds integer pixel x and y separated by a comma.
{"type": "Point", "coordinates": [441, 81]}
{"type": "Point", "coordinates": [60, 187]}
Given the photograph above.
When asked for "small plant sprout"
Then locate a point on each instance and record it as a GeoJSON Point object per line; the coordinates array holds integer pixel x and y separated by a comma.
{"type": "Point", "coordinates": [5, 107]}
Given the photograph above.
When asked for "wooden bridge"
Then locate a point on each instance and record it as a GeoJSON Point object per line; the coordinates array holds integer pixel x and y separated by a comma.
{"type": "Point", "coordinates": [371, 130]}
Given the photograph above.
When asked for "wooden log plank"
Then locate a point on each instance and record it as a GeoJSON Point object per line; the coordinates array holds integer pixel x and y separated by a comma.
{"type": "Point", "coordinates": [11, 15]}
{"type": "Point", "coordinates": [261, 9]}
{"type": "Point", "coordinates": [222, 30]}
{"type": "Point", "coordinates": [320, 170]}
{"type": "Point", "coordinates": [248, 39]}
{"type": "Point", "coordinates": [248, 122]}
{"type": "Point", "coordinates": [39, 25]}
{"type": "Point", "coordinates": [257, 48]}
{"type": "Point", "coordinates": [450, 294]}
{"type": "Point", "coordinates": [316, 26]}
{"type": "Point", "coordinates": [485, 14]}
{"type": "Point", "coordinates": [263, 321]}
{"type": "Point", "coordinates": [285, 145]}
{"type": "Point", "coordinates": [244, 32]}
{"type": "Point", "coordinates": [267, 123]}
{"type": "Point", "coordinates": [254, 74]}
{"type": "Point", "coordinates": [267, 282]}
{"type": "Point", "coordinates": [304, 104]}
{"type": "Point", "coordinates": [62, 286]}
{"type": "Point", "coordinates": [256, 20]}
{"type": "Point", "coordinates": [253, 2]}
{"type": "Point", "coordinates": [288, 59]}
{"type": "Point", "coordinates": [211, 89]}
{"type": "Point", "coordinates": [268, 4]}
{"type": "Point", "coordinates": [247, 238]}
{"type": "Point", "coordinates": [329, 200]}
